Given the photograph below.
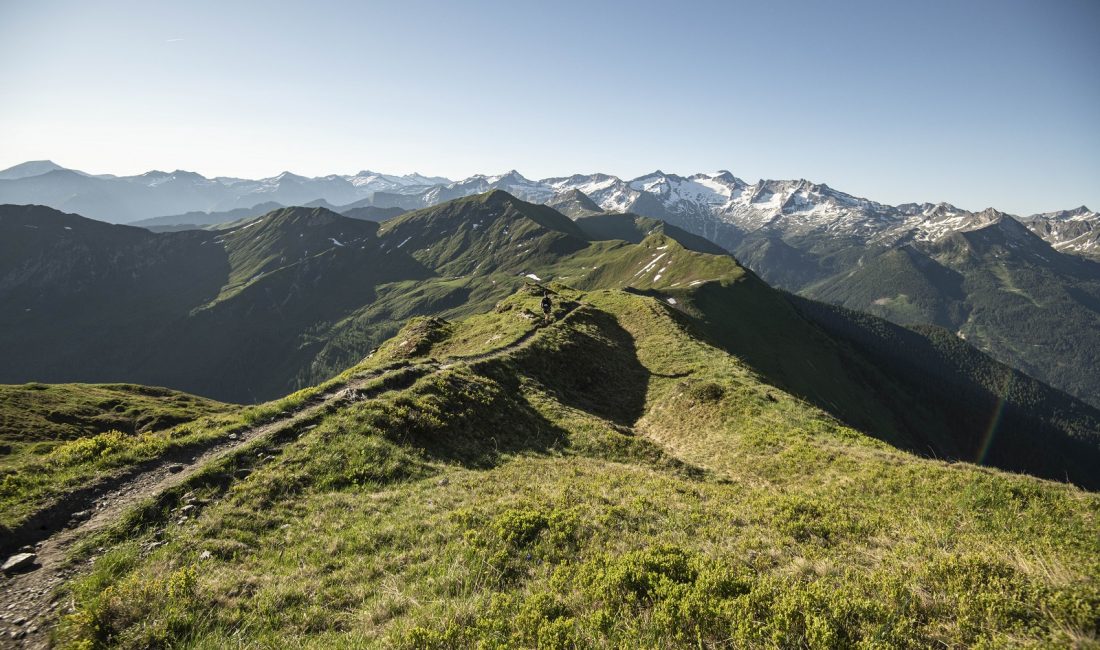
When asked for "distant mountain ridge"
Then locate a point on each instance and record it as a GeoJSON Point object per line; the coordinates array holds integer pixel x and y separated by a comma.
{"type": "Point", "coordinates": [717, 205]}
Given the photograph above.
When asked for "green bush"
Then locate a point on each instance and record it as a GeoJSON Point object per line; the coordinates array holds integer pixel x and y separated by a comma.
{"type": "Point", "coordinates": [86, 449]}
{"type": "Point", "coordinates": [707, 391]}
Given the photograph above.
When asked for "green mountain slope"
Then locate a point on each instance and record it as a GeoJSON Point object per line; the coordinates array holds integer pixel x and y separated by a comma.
{"type": "Point", "coordinates": [44, 412]}
{"type": "Point", "coordinates": [1001, 287]}
{"type": "Point", "coordinates": [634, 228]}
{"type": "Point", "coordinates": [235, 314]}
{"type": "Point", "coordinates": [486, 233]}
{"type": "Point", "coordinates": [612, 479]}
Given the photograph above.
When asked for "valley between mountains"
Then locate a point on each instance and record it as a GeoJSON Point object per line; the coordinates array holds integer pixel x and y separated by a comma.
{"type": "Point", "coordinates": [370, 435]}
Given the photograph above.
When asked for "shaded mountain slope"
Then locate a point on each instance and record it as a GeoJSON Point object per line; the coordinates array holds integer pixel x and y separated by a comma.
{"type": "Point", "coordinates": [992, 414]}
{"type": "Point", "coordinates": [231, 314]}
{"type": "Point", "coordinates": [204, 220]}
{"type": "Point", "coordinates": [86, 301]}
{"type": "Point", "coordinates": [1001, 288]}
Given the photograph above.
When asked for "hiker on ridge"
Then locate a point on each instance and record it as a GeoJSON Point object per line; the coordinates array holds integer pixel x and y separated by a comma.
{"type": "Point", "coordinates": [546, 305]}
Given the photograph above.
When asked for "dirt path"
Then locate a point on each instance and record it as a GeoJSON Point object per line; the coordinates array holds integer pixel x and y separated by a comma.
{"type": "Point", "coordinates": [26, 604]}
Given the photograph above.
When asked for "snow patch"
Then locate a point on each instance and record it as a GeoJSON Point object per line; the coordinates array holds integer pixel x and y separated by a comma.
{"type": "Point", "coordinates": [652, 263]}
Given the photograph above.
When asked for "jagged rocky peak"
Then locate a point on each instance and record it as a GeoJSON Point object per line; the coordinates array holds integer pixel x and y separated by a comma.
{"type": "Point", "coordinates": [992, 214]}
{"type": "Point", "coordinates": [574, 203]}
{"type": "Point", "coordinates": [510, 175]}
{"type": "Point", "coordinates": [1076, 214]}
{"type": "Point", "coordinates": [941, 209]}
{"type": "Point", "coordinates": [722, 176]}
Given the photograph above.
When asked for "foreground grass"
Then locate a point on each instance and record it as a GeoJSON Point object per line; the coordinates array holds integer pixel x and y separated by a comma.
{"type": "Point", "coordinates": [616, 483]}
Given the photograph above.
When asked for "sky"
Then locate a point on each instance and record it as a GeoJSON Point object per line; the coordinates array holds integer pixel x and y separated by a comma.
{"type": "Point", "coordinates": [976, 102]}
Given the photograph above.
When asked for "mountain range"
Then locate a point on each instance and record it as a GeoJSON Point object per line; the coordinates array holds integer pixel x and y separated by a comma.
{"type": "Point", "coordinates": [730, 207]}
{"type": "Point", "coordinates": [1023, 289]}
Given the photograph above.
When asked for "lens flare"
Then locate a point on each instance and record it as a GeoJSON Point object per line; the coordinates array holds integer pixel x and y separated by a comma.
{"type": "Point", "coordinates": [995, 420]}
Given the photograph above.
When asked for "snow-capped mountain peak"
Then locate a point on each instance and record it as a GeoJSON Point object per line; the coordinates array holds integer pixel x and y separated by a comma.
{"type": "Point", "coordinates": [717, 205]}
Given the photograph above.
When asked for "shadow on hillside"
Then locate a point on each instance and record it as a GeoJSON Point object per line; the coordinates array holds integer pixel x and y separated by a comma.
{"type": "Point", "coordinates": [462, 418]}
{"type": "Point", "coordinates": [592, 366]}
{"type": "Point", "coordinates": [982, 410]}
{"type": "Point", "coordinates": [926, 397]}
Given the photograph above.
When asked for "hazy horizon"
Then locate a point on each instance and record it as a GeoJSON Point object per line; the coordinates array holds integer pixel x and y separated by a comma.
{"type": "Point", "coordinates": [982, 104]}
{"type": "Point", "coordinates": [529, 177]}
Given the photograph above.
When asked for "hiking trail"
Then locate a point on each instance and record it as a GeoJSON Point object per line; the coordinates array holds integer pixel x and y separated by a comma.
{"type": "Point", "coordinates": [27, 599]}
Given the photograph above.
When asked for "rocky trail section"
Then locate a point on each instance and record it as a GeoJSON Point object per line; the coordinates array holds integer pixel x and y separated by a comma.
{"type": "Point", "coordinates": [28, 592]}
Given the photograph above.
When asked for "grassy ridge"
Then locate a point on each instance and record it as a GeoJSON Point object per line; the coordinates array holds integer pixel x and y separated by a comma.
{"type": "Point", "coordinates": [616, 482]}
{"type": "Point", "coordinates": [53, 412]}
{"type": "Point", "coordinates": [56, 438]}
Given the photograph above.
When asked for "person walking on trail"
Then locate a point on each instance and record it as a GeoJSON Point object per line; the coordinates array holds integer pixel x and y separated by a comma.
{"type": "Point", "coordinates": [546, 305]}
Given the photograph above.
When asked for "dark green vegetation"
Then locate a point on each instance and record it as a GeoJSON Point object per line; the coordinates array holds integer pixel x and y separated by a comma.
{"type": "Point", "coordinates": [54, 438]}
{"type": "Point", "coordinates": [1001, 287]}
{"type": "Point", "coordinates": [618, 480]}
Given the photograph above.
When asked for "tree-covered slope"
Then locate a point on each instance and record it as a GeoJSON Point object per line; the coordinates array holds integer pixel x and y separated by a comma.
{"type": "Point", "coordinates": [1001, 288]}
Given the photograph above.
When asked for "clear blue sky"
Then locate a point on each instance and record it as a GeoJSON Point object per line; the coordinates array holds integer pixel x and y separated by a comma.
{"type": "Point", "coordinates": [977, 103]}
